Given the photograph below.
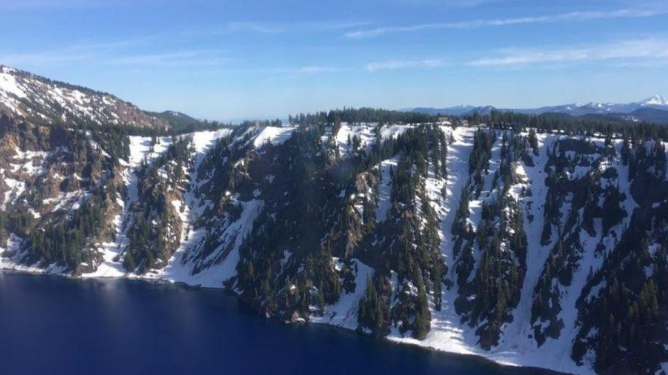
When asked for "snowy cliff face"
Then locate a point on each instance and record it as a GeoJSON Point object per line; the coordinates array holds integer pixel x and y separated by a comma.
{"type": "Point", "coordinates": [525, 247]}
{"type": "Point", "coordinates": [54, 179]}
{"type": "Point", "coordinates": [43, 101]}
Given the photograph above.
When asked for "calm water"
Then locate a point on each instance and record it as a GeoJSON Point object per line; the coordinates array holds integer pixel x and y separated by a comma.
{"type": "Point", "coordinates": [52, 325]}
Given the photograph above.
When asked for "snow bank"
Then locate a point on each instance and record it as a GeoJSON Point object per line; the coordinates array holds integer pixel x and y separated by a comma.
{"type": "Point", "coordinates": [273, 135]}
{"type": "Point", "coordinates": [217, 273]}
{"type": "Point", "coordinates": [9, 84]}
{"type": "Point", "coordinates": [344, 312]}
{"type": "Point", "coordinates": [385, 188]}
{"type": "Point", "coordinates": [367, 135]}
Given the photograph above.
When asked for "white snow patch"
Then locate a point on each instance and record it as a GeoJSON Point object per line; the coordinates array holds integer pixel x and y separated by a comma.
{"type": "Point", "coordinates": [274, 135]}
{"type": "Point", "coordinates": [385, 188]}
{"type": "Point", "coordinates": [344, 312]}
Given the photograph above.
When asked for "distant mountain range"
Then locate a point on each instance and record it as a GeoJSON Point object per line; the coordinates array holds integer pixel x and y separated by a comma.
{"type": "Point", "coordinates": [654, 109]}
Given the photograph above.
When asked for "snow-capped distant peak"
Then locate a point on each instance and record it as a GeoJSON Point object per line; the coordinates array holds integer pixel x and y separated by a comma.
{"type": "Point", "coordinates": [656, 100]}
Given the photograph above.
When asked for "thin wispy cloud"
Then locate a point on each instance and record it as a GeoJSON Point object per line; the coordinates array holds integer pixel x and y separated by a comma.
{"type": "Point", "coordinates": [230, 28]}
{"type": "Point", "coordinates": [471, 3]}
{"type": "Point", "coordinates": [648, 50]}
{"type": "Point", "coordinates": [42, 58]}
{"type": "Point", "coordinates": [271, 28]}
{"type": "Point", "coordinates": [440, 4]}
{"type": "Point", "coordinates": [121, 53]}
{"type": "Point", "coordinates": [330, 25]}
{"type": "Point", "coordinates": [273, 75]}
{"type": "Point", "coordinates": [562, 17]}
{"type": "Point", "coordinates": [50, 5]}
{"type": "Point", "coordinates": [65, 55]}
{"type": "Point", "coordinates": [254, 27]}
{"type": "Point", "coordinates": [294, 71]}
{"type": "Point", "coordinates": [191, 58]}
{"type": "Point", "coordinates": [404, 64]}
{"type": "Point", "coordinates": [315, 69]}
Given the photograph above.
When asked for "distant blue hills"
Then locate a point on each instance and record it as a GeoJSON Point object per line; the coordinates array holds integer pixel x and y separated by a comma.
{"type": "Point", "coordinates": [654, 109]}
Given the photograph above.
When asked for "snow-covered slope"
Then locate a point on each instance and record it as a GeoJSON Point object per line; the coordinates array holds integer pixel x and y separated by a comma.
{"type": "Point", "coordinates": [361, 137]}
{"type": "Point", "coordinates": [41, 100]}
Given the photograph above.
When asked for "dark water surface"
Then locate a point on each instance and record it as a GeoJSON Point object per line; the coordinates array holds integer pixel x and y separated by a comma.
{"type": "Point", "coordinates": [53, 325]}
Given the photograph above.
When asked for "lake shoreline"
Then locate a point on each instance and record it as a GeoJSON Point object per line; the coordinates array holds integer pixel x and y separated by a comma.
{"type": "Point", "coordinates": [245, 309]}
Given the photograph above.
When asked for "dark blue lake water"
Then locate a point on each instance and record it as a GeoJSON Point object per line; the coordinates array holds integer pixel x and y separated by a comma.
{"type": "Point", "coordinates": [53, 325]}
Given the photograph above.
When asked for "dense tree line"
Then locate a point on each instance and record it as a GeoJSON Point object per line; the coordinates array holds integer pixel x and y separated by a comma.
{"type": "Point", "coordinates": [361, 115]}
{"type": "Point", "coordinates": [583, 126]}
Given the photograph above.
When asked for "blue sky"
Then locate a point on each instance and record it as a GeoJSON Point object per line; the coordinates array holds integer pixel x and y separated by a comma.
{"type": "Point", "coordinates": [254, 59]}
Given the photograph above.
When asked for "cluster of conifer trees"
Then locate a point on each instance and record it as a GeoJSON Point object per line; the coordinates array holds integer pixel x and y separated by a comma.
{"type": "Point", "coordinates": [408, 243]}
{"type": "Point", "coordinates": [308, 197]}
{"type": "Point", "coordinates": [624, 322]}
{"type": "Point", "coordinates": [490, 287]}
{"type": "Point", "coordinates": [362, 115]}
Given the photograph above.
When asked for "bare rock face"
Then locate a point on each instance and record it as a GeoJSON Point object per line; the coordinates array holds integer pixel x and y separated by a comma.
{"type": "Point", "coordinates": [297, 318]}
